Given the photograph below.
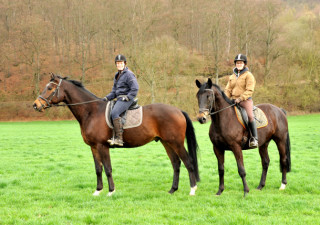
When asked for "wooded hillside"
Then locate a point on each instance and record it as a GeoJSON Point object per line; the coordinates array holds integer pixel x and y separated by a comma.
{"type": "Point", "coordinates": [168, 44]}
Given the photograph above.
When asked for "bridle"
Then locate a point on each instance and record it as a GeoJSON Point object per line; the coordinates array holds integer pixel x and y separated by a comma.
{"type": "Point", "coordinates": [56, 91]}
{"type": "Point", "coordinates": [49, 99]}
{"type": "Point", "coordinates": [213, 104]}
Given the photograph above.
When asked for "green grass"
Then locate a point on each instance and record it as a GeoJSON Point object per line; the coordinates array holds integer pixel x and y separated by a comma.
{"type": "Point", "coordinates": [47, 176]}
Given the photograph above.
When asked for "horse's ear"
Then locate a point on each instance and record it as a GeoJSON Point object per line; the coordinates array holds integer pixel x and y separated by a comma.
{"type": "Point", "coordinates": [198, 84]}
{"type": "Point", "coordinates": [209, 83]}
{"type": "Point", "coordinates": [52, 75]}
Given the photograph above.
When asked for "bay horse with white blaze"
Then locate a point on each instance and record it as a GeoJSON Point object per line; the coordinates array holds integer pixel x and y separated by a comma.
{"type": "Point", "coordinates": [226, 133]}
{"type": "Point", "coordinates": [160, 122]}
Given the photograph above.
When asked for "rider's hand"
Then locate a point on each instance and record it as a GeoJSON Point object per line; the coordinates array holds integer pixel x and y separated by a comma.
{"type": "Point", "coordinates": [125, 98]}
{"type": "Point", "coordinates": [238, 100]}
{"type": "Point", "coordinates": [105, 99]}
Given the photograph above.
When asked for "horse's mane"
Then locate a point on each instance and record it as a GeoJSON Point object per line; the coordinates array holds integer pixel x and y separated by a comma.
{"type": "Point", "coordinates": [76, 83]}
{"type": "Point", "coordinates": [223, 94]}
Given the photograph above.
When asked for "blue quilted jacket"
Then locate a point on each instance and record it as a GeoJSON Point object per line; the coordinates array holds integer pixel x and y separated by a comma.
{"type": "Point", "coordinates": [125, 83]}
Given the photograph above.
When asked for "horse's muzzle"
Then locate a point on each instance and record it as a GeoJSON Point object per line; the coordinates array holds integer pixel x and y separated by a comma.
{"type": "Point", "coordinates": [38, 106]}
{"type": "Point", "coordinates": [202, 117]}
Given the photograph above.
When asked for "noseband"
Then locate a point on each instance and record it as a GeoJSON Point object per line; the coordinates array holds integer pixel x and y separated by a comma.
{"type": "Point", "coordinates": [48, 101]}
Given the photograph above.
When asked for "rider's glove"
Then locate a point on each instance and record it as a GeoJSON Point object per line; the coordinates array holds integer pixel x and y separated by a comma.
{"type": "Point", "coordinates": [238, 100]}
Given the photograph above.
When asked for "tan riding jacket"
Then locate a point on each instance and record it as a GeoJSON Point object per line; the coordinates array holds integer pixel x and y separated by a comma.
{"type": "Point", "coordinates": [241, 87]}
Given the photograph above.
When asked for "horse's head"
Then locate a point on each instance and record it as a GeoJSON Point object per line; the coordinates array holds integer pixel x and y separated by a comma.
{"type": "Point", "coordinates": [211, 100]}
{"type": "Point", "coordinates": [52, 94]}
{"type": "Point", "coordinates": [206, 99]}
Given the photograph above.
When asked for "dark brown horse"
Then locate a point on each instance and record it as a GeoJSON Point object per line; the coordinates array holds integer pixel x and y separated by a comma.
{"type": "Point", "coordinates": [226, 133]}
{"type": "Point", "coordinates": [160, 122]}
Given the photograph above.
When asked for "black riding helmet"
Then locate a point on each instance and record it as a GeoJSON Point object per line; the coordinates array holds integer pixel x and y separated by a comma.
{"type": "Point", "coordinates": [241, 57]}
{"type": "Point", "coordinates": [120, 58]}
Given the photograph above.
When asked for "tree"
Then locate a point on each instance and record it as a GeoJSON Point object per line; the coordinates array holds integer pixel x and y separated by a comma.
{"type": "Point", "coordinates": [270, 11]}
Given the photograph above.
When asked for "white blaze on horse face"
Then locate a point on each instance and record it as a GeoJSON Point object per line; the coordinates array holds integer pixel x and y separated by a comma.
{"type": "Point", "coordinates": [120, 65]}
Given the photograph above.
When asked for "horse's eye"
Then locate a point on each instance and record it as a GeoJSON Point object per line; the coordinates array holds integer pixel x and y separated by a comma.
{"type": "Point", "coordinates": [49, 88]}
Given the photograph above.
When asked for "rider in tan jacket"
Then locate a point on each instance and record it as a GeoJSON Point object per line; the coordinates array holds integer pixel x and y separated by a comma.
{"type": "Point", "coordinates": [240, 88]}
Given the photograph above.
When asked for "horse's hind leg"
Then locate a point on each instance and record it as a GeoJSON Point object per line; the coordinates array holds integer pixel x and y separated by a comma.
{"type": "Point", "coordinates": [265, 160]}
{"type": "Point", "coordinates": [180, 150]}
{"type": "Point", "coordinates": [220, 157]}
{"type": "Point", "coordinates": [176, 162]}
{"type": "Point", "coordinates": [283, 162]}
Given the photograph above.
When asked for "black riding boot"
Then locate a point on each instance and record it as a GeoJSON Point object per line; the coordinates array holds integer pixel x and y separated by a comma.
{"type": "Point", "coordinates": [253, 143]}
{"type": "Point", "coordinates": [117, 125]}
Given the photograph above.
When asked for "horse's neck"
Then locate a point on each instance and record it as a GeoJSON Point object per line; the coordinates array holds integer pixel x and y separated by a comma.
{"type": "Point", "coordinates": [221, 118]}
{"type": "Point", "coordinates": [78, 95]}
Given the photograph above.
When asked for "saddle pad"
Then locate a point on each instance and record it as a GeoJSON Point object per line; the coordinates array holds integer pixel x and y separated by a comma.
{"type": "Point", "coordinates": [133, 117]}
{"type": "Point", "coordinates": [260, 117]}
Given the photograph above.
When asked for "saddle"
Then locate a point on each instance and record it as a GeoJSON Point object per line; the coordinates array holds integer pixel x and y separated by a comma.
{"type": "Point", "coordinates": [130, 118]}
{"type": "Point", "coordinates": [259, 116]}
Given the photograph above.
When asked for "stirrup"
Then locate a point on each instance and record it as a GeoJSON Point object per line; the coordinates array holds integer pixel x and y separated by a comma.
{"type": "Point", "coordinates": [111, 141]}
{"type": "Point", "coordinates": [253, 142]}
{"type": "Point", "coordinates": [118, 142]}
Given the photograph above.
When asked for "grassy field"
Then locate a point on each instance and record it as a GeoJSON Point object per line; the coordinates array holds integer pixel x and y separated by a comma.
{"type": "Point", "coordinates": [47, 176]}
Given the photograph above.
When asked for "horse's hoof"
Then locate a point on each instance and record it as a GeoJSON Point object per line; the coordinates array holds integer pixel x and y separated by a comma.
{"type": "Point", "coordinates": [193, 190]}
{"type": "Point", "coordinates": [97, 193]}
{"type": "Point", "coordinates": [259, 188]}
{"type": "Point", "coordinates": [172, 190]}
{"type": "Point", "coordinates": [111, 193]}
{"type": "Point", "coordinates": [245, 194]}
{"type": "Point", "coordinates": [219, 192]}
{"type": "Point", "coordinates": [282, 187]}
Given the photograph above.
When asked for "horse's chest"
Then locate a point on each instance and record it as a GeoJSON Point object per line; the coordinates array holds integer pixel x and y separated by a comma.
{"type": "Point", "coordinates": [217, 139]}
{"type": "Point", "coordinates": [85, 137]}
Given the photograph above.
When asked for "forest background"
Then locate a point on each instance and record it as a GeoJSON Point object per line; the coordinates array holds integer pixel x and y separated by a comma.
{"type": "Point", "coordinates": [168, 44]}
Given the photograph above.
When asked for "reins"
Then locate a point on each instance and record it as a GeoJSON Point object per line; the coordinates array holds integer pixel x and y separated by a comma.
{"type": "Point", "coordinates": [213, 102]}
{"type": "Point", "coordinates": [223, 109]}
{"type": "Point", "coordinates": [79, 103]}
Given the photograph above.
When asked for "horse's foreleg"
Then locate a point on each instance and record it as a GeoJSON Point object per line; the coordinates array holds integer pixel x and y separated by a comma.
{"type": "Point", "coordinates": [106, 161]}
{"type": "Point", "coordinates": [98, 167]}
{"type": "Point", "coordinates": [241, 170]}
{"type": "Point", "coordinates": [220, 157]}
{"type": "Point", "coordinates": [265, 160]}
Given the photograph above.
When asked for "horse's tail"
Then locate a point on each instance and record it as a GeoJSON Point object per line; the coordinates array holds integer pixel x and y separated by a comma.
{"type": "Point", "coordinates": [192, 144]}
{"type": "Point", "coordinates": [288, 149]}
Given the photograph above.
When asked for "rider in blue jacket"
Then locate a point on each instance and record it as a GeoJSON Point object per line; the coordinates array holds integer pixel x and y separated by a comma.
{"type": "Point", "coordinates": [125, 89]}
